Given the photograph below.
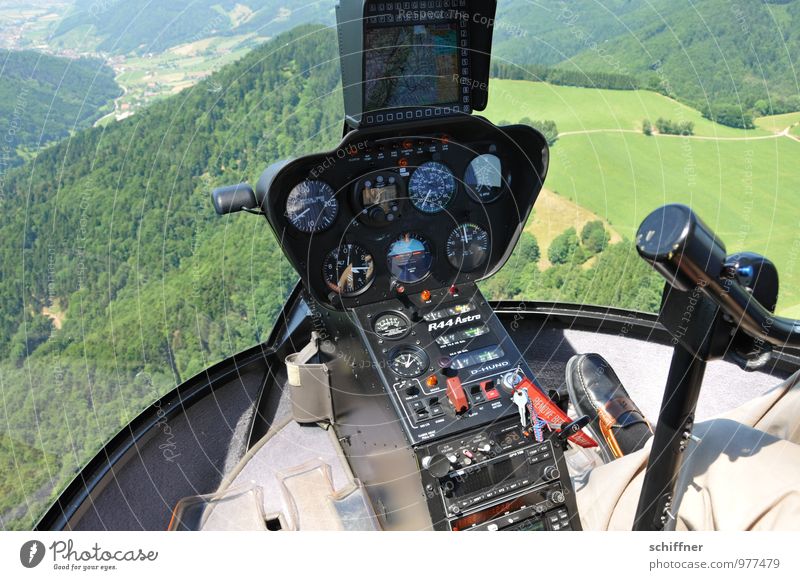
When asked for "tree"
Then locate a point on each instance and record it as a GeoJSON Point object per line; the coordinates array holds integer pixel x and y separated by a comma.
{"type": "Point", "coordinates": [729, 115]}
{"type": "Point", "coordinates": [594, 237]}
{"type": "Point", "coordinates": [647, 127]}
{"type": "Point", "coordinates": [527, 250]}
{"type": "Point", "coordinates": [565, 248]}
{"type": "Point", "coordinates": [668, 127]}
{"type": "Point", "coordinates": [546, 128]}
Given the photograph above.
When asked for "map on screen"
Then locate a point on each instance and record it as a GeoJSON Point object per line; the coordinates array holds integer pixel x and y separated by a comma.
{"type": "Point", "coordinates": [411, 66]}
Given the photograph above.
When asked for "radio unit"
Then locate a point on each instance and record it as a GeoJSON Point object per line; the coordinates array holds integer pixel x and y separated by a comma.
{"type": "Point", "coordinates": [498, 478]}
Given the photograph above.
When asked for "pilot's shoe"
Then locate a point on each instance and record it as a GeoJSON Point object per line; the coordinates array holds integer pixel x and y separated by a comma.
{"type": "Point", "coordinates": [618, 426]}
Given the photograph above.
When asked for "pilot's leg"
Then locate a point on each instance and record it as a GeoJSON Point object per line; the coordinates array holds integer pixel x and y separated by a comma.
{"type": "Point", "coordinates": [738, 477]}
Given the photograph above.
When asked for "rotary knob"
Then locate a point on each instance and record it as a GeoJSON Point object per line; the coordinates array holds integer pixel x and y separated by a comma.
{"type": "Point", "coordinates": [551, 473]}
{"type": "Point", "coordinates": [437, 465]}
{"type": "Point", "coordinates": [555, 496]}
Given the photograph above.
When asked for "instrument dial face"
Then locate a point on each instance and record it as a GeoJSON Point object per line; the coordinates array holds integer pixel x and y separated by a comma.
{"type": "Point", "coordinates": [432, 187]}
{"type": "Point", "coordinates": [484, 178]}
{"type": "Point", "coordinates": [392, 326]}
{"type": "Point", "coordinates": [468, 247]}
{"type": "Point", "coordinates": [312, 206]}
{"type": "Point", "coordinates": [348, 270]}
{"type": "Point", "coordinates": [408, 361]}
{"type": "Point", "coordinates": [410, 258]}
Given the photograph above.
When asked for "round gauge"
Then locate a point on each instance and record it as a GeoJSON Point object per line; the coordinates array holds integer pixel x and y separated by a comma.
{"type": "Point", "coordinates": [392, 326]}
{"type": "Point", "coordinates": [484, 178]}
{"type": "Point", "coordinates": [348, 270]}
{"type": "Point", "coordinates": [312, 206]}
{"type": "Point", "coordinates": [410, 258]}
{"type": "Point", "coordinates": [468, 247]}
{"type": "Point", "coordinates": [408, 361]}
{"type": "Point", "coordinates": [432, 187]}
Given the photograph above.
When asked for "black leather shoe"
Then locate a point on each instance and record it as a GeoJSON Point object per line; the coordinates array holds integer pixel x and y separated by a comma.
{"type": "Point", "coordinates": [617, 424]}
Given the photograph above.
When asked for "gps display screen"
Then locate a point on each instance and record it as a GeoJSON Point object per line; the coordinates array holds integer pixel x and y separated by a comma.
{"type": "Point", "coordinates": [411, 66]}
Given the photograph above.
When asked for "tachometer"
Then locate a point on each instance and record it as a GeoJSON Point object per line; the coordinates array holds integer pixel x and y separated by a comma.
{"type": "Point", "coordinates": [408, 361]}
{"type": "Point", "coordinates": [468, 247]}
{"type": "Point", "coordinates": [484, 178]}
{"type": "Point", "coordinates": [348, 270]}
{"type": "Point", "coordinates": [410, 258]}
{"type": "Point", "coordinates": [432, 187]}
{"type": "Point", "coordinates": [312, 206]}
{"type": "Point", "coordinates": [392, 326]}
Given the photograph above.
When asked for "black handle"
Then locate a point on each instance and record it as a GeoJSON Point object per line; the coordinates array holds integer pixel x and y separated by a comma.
{"type": "Point", "coordinates": [683, 249]}
{"type": "Point", "coordinates": [234, 198]}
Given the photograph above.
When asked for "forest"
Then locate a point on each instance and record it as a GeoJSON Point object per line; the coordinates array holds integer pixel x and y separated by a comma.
{"type": "Point", "coordinates": [44, 98]}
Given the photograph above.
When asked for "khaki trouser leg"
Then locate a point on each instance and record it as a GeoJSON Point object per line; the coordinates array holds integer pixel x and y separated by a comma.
{"type": "Point", "coordinates": [744, 474]}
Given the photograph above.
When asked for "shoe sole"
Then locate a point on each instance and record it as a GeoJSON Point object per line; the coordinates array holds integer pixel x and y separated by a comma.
{"type": "Point", "coordinates": [603, 448]}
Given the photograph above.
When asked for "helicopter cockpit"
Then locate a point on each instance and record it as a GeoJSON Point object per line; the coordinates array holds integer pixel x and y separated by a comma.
{"type": "Point", "coordinates": [390, 233]}
{"type": "Point", "coordinates": [408, 400]}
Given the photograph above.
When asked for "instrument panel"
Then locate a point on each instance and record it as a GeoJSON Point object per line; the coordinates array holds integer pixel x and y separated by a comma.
{"type": "Point", "coordinates": [425, 208]}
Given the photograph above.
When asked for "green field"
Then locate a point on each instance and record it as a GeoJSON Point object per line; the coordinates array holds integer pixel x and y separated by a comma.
{"type": "Point", "coordinates": [581, 109]}
{"type": "Point", "coordinates": [778, 123]}
{"type": "Point", "coordinates": [746, 190]}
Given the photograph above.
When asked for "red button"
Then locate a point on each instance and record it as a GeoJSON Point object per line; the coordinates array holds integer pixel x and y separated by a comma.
{"type": "Point", "coordinates": [456, 395]}
{"type": "Point", "coordinates": [489, 390]}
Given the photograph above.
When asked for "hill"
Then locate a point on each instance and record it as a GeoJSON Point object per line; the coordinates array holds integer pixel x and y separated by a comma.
{"type": "Point", "coordinates": [743, 183]}
{"type": "Point", "coordinates": [704, 52]}
{"type": "Point", "coordinates": [114, 233]}
{"type": "Point", "coordinates": [145, 26]}
{"type": "Point", "coordinates": [44, 98]}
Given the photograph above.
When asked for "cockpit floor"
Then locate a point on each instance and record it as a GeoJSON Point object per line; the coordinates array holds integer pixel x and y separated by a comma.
{"type": "Point", "coordinates": [642, 367]}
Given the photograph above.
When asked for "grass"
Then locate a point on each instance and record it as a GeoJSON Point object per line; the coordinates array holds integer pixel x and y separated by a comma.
{"type": "Point", "coordinates": [580, 109]}
{"type": "Point", "coordinates": [745, 190]}
{"type": "Point", "coordinates": [777, 123]}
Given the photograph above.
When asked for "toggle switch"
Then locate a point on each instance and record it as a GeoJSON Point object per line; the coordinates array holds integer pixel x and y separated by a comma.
{"type": "Point", "coordinates": [456, 395]}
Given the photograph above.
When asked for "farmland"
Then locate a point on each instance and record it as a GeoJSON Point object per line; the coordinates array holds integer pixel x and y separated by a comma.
{"type": "Point", "coordinates": [743, 183]}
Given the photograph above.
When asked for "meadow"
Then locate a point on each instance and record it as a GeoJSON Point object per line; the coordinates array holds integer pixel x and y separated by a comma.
{"type": "Point", "coordinates": [745, 184]}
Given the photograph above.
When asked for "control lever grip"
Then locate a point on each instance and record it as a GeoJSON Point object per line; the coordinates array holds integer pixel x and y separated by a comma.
{"type": "Point", "coordinates": [681, 247]}
{"type": "Point", "coordinates": [573, 427]}
{"type": "Point", "coordinates": [687, 253]}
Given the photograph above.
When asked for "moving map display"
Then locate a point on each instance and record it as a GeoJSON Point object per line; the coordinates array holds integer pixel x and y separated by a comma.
{"type": "Point", "coordinates": [411, 66]}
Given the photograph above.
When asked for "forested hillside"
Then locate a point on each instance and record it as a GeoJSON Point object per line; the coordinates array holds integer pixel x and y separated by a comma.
{"type": "Point", "coordinates": [43, 98]}
{"type": "Point", "coordinates": [145, 26]}
{"type": "Point", "coordinates": [112, 235]}
{"type": "Point", "coordinates": [119, 281]}
{"type": "Point", "coordinates": [707, 53]}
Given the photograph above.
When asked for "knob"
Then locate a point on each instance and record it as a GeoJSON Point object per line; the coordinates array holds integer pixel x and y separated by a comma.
{"type": "Point", "coordinates": [485, 448]}
{"type": "Point", "coordinates": [555, 496]}
{"type": "Point", "coordinates": [551, 473]}
{"type": "Point", "coordinates": [437, 465]}
{"type": "Point", "coordinates": [377, 214]}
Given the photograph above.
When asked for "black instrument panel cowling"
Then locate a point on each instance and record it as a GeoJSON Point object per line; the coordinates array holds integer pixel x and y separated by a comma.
{"type": "Point", "coordinates": [399, 150]}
